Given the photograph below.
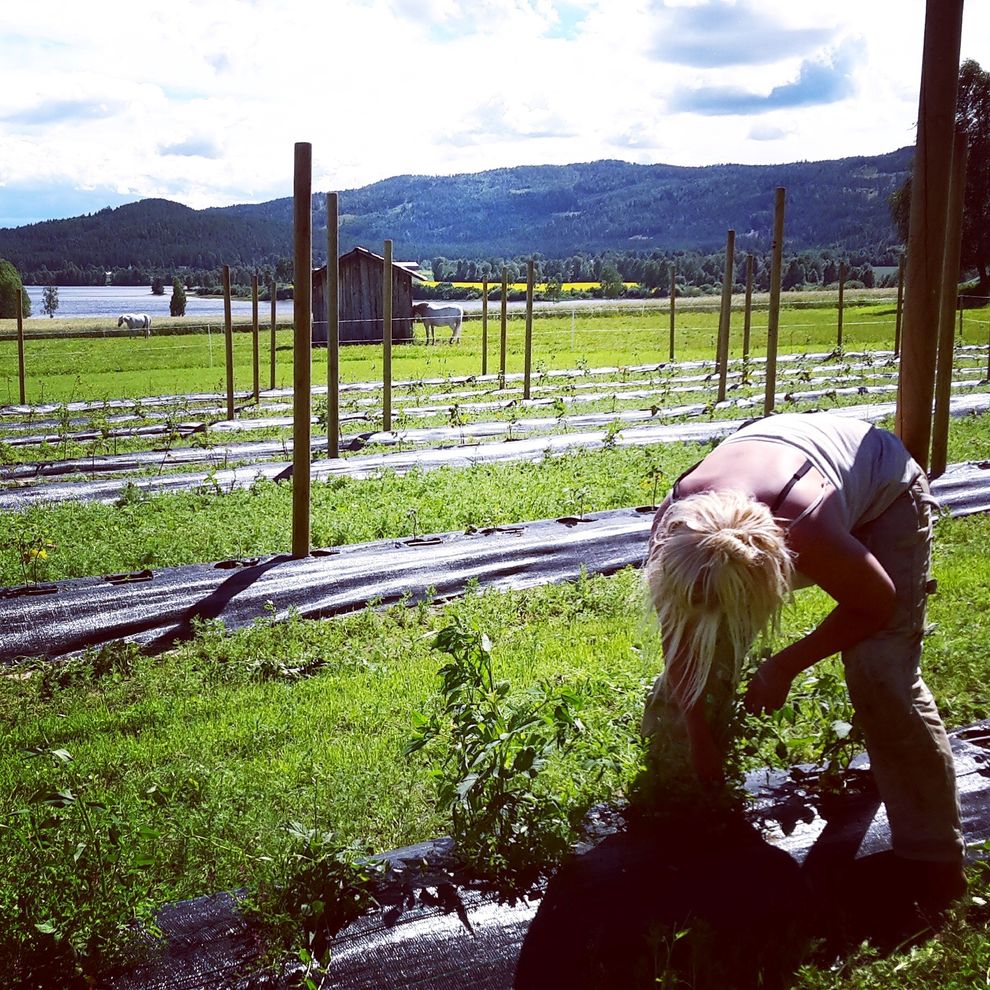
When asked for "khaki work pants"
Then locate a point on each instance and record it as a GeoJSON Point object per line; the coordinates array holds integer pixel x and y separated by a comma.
{"type": "Point", "coordinates": [905, 738]}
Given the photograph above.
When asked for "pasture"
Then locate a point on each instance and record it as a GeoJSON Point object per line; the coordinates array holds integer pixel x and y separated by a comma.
{"type": "Point", "coordinates": [194, 770]}
{"type": "Point", "coordinates": [91, 366]}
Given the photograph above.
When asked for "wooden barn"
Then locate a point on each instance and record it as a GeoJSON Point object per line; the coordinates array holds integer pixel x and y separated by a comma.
{"type": "Point", "coordinates": [361, 299]}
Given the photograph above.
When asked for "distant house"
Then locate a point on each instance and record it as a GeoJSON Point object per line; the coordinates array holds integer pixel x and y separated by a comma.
{"type": "Point", "coordinates": [361, 299]}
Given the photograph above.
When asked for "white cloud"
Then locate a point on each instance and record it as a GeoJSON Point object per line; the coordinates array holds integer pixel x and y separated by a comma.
{"type": "Point", "coordinates": [202, 101]}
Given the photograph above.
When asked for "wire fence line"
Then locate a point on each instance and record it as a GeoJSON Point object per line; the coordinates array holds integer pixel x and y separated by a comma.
{"type": "Point", "coordinates": [546, 339]}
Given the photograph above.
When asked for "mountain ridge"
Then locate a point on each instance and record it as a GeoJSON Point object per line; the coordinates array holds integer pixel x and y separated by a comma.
{"type": "Point", "coordinates": [552, 210]}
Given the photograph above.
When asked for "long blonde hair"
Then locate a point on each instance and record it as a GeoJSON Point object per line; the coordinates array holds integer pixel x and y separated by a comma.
{"type": "Point", "coordinates": [717, 565]}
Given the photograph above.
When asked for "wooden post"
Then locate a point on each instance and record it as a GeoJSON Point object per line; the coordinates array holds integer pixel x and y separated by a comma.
{"type": "Point", "coordinates": [950, 293]}
{"type": "Point", "coordinates": [302, 344]}
{"type": "Point", "coordinates": [773, 315]}
{"type": "Point", "coordinates": [842, 296]}
{"type": "Point", "coordinates": [926, 240]}
{"type": "Point", "coordinates": [255, 342]}
{"type": "Point", "coordinates": [228, 341]}
{"type": "Point", "coordinates": [387, 339]}
{"type": "Point", "coordinates": [332, 296]}
{"type": "Point", "coordinates": [20, 344]}
{"type": "Point", "coordinates": [673, 294]}
{"type": "Point", "coordinates": [505, 328]}
{"type": "Point", "coordinates": [528, 365]}
{"type": "Point", "coordinates": [274, 293]}
{"type": "Point", "coordinates": [725, 315]}
{"type": "Point", "coordinates": [900, 306]}
{"type": "Point", "coordinates": [484, 326]}
{"type": "Point", "coordinates": [748, 311]}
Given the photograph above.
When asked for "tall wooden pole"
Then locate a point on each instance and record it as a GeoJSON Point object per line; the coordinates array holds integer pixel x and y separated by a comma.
{"type": "Point", "coordinates": [947, 315]}
{"type": "Point", "coordinates": [725, 315]}
{"type": "Point", "coordinates": [484, 327]}
{"type": "Point", "coordinates": [271, 356]}
{"type": "Point", "coordinates": [673, 295]}
{"type": "Point", "coordinates": [748, 310]}
{"type": "Point", "coordinates": [899, 315]}
{"type": "Point", "coordinates": [842, 297]}
{"type": "Point", "coordinates": [333, 326]}
{"type": "Point", "coordinates": [255, 341]}
{"type": "Point", "coordinates": [228, 341]}
{"type": "Point", "coordinates": [773, 316]}
{"type": "Point", "coordinates": [387, 339]}
{"type": "Point", "coordinates": [504, 328]}
{"type": "Point", "coordinates": [20, 345]}
{"type": "Point", "coordinates": [528, 366]}
{"type": "Point", "coordinates": [926, 240]}
{"type": "Point", "coordinates": [302, 345]}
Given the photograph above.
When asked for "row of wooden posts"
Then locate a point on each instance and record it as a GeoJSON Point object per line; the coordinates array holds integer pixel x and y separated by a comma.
{"type": "Point", "coordinates": [720, 355]}
{"type": "Point", "coordinates": [303, 341]}
{"type": "Point", "coordinates": [721, 351]}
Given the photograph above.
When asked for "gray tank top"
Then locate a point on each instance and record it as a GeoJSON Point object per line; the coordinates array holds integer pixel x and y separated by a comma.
{"type": "Point", "coordinates": [868, 467]}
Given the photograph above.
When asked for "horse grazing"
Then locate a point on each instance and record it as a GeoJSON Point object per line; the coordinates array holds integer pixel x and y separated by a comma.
{"type": "Point", "coordinates": [439, 316]}
{"type": "Point", "coordinates": [140, 321]}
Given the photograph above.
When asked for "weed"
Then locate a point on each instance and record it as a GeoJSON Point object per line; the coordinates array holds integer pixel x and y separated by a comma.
{"type": "Point", "coordinates": [506, 830]}
{"type": "Point", "coordinates": [30, 544]}
{"type": "Point", "coordinates": [318, 886]}
{"type": "Point", "coordinates": [612, 432]}
{"type": "Point", "coordinates": [86, 860]}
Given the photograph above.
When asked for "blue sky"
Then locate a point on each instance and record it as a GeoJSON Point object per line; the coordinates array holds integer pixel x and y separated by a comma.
{"type": "Point", "coordinates": [201, 102]}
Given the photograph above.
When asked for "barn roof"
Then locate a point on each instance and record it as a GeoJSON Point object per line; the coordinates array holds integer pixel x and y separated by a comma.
{"type": "Point", "coordinates": [403, 266]}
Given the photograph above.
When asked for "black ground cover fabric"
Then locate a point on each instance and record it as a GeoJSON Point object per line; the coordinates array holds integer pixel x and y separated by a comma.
{"type": "Point", "coordinates": [459, 455]}
{"type": "Point", "coordinates": [801, 867]}
{"type": "Point", "coordinates": [157, 609]}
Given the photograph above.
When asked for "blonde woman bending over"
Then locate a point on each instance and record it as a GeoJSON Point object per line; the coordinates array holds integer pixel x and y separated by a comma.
{"type": "Point", "coordinates": [786, 502]}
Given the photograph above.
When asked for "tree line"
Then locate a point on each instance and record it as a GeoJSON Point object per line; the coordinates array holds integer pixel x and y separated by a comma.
{"type": "Point", "coordinates": [650, 272]}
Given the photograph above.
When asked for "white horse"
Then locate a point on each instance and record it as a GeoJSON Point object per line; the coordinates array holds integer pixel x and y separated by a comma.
{"type": "Point", "coordinates": [139, 321]}
{"type": "Point", "coordinates": [439, 316]}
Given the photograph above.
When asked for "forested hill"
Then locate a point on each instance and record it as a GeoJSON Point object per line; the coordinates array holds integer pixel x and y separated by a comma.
{"type": "Point", "coordinates": [556, 211]}
{"type": "Point", "coordinates": [151, 234]}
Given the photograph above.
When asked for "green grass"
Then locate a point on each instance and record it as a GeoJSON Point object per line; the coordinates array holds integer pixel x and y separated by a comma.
{"type": "Point", "coordinates": [200, 759]}
{"type": "Point", "coordinates": [96, 368]}
{"type": "Point", "coordinates": [170, 529]}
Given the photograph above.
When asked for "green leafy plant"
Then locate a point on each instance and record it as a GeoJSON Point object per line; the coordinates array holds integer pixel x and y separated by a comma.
{"type": "Point", "coordinates": [816, 725]}
{"type": "Point", "coordinates": [80, 914]}
{"type": "Point", "coordinates": [507, 830]}
{"type": "Point", "coordinates": [654, 474]}
{"type": "Point", "coordinates": [320, 886]}
{"type": "Point", "coordinates": [610, 440]}
{"type": "Point", "coordinates": [31, 545]}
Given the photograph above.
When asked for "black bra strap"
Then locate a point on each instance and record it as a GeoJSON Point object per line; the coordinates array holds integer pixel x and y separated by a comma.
{"type": "Point", "coordinates": [798, 475]}
{"type": "Point", "coordinates": [778, 501]}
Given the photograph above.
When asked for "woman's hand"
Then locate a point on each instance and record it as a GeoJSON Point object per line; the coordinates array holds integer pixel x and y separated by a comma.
{"type": "Point", "coordinates": [768, 689]}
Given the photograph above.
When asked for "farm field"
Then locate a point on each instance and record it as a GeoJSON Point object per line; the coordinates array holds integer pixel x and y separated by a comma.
{"type": "Point", "coordinates": [184, 773]}
{"type": "Point", "coordinates": [132, 367]}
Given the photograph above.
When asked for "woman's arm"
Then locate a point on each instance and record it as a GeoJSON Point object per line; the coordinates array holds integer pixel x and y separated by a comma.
{"type": "Point", "coordinates": [864, 596]}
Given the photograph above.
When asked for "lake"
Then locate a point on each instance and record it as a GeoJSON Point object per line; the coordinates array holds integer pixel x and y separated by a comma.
{"type": "Point", "coordinates": [78, 301]}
